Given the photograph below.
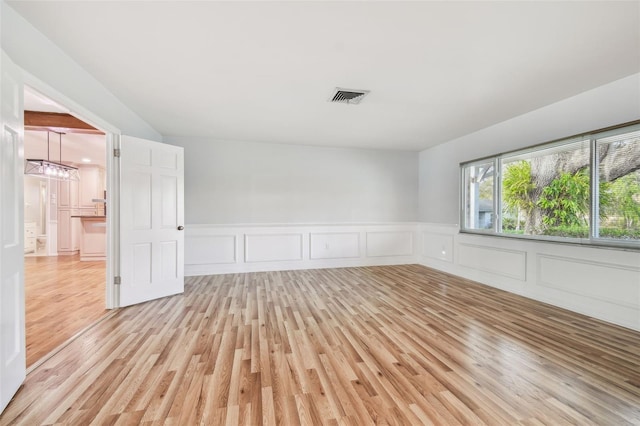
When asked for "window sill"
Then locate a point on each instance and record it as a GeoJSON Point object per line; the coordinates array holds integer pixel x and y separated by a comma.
{"type": "Point", "coordinates": [633, 246]}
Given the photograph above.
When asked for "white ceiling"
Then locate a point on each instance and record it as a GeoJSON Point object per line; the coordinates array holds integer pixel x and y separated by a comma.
{"type": "Point", "coordinates": [35, 101]}
{"type": "Point", "coordinates": [75, 147]}
{"type": "Point", "coordinates": [263, 71]}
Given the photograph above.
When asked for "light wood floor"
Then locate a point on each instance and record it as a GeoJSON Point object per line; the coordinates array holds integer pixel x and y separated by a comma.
{"type": "Point", "coordinates": [376, 345]}
{"type": "Point", "coordinates": [62, 296]}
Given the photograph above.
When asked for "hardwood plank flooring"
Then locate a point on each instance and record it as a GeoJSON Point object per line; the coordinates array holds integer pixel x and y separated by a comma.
{"type": "Point", "coordinates": [374, 345]}
{"type": "Point", "coordinates": [62, 296]}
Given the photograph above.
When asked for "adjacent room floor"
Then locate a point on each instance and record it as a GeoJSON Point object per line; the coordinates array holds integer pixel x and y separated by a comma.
{"type": "Point", "coordinates": [63, 296]}
{"type": "Point", "coordinates": [372, 345]}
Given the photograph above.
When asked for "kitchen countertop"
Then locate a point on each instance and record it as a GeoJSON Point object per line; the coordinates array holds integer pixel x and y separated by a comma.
{"type": "Point", "coordinates": [90, 217]}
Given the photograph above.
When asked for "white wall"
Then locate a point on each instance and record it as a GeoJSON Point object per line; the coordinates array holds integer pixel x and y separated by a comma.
{"type": "Point", "coordinates": [243, 182]}
{"type": "Point", "coordinates": [600, 282]}
{"type": "Point", "coordinates": [42, 59]}
{"type": "Point", "coordinates": [615, 103]}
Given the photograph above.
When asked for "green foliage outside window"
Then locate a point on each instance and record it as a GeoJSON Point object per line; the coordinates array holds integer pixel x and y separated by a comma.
{"type": "Point", "coordinates": [565, 203]}
{"type": "Point", "coordinates": [566, 200]}
{"type": "Point", "coordinates": [623, 201]}
{"type": "Point", "coordinates": [517, 190]}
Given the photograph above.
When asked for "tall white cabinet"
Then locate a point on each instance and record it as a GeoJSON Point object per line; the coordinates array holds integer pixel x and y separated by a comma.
{"type": "Point", "coordinates": [68, 227]}
{"type": "Point", "coordinates": [92, 185]}
{"type": "Point", "coordinates": [75, 200]}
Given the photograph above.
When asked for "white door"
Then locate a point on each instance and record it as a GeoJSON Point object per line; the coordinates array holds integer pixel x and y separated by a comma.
{"type": "Point", "coordinates": [151, 220]}
{"type": "Point", "coordinates": [12, 332]}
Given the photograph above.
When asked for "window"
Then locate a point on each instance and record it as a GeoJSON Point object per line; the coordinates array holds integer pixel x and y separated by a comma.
{"type": "Point", "coordinates": [547, 191]}
{"type": "Point", "coordinates": [478, 196]}
{"type": "Point", "coordinates": [619, 185]}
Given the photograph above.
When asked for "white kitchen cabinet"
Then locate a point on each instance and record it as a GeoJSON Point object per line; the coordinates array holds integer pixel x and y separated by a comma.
{"type": "Point", "coordinates": [76, 233]}
{"type": "Point", "coordinates": [68, 232]}
{"type": "Point", "coordinates": [92, 185]}
{"type": "Point", "coordinates": [30, 237]}
{"type": "Point", "coordinates": [94, 238]}
{"type": "Point", "coordinates": [75, 200]}
{"type": "Point", "coordinates": [68, 194]}
{"type": "Point", "coordinates": [64, 231]}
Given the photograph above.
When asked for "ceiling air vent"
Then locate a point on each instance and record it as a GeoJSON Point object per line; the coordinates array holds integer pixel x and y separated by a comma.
{"type": "Point", "coordinates": [348, 96]}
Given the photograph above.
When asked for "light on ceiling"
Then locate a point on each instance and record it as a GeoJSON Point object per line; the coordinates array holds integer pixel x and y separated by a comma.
{"type": "Point", "coordinates": [51, 169]}
{"type": "Point", "coordinates": [86, 160]}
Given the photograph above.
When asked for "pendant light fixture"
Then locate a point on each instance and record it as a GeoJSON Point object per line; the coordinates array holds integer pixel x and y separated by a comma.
{"type": "Point", "coordinates": [51, 169]}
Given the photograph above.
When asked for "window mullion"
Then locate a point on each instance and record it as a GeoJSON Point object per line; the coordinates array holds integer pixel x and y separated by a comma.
{"type": "Point", "coordinates": [463, 198]}
{"type": "Point", "coordinates": [594, 223]}
{"type": "Point", "coordinates": [497, 198]}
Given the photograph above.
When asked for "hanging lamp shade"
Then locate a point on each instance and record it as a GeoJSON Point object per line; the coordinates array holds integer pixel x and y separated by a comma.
{"type": "Point", "coordinates": [51, 169]}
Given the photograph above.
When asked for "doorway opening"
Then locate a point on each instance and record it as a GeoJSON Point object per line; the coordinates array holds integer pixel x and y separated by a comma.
{"type": "Point", "coordinates": [65, 227]}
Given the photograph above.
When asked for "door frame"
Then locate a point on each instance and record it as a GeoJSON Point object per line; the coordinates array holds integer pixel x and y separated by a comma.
{"type": "Point", "coordinates": [112, 135]}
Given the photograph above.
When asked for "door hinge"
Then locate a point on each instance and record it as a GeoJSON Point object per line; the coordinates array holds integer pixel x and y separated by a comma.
{"type": "Point", "coordinates": [117, 280]}
{"type": "Point", "coordinates": [116, 152]}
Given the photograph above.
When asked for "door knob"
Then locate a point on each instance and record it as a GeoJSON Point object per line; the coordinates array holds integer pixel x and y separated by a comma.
{"type": "Point", "coordinates": [180, 228]}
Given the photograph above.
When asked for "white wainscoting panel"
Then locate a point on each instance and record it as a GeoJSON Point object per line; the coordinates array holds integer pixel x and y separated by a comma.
{"type": "Point", "coordinates": [600, 282]}
{"type": "Point", "coordinates": [221, 249]}
{"type": "Point", "coordinates": [604, 281]}
{"type": "Point", "coordinates": [509, 263]}
{"type": "Point", "coordinates": [437, 246]}
{"type": "Point", "coordinates": [389, 243]}
{"type": "Point", "coordinates": [272, 247]}
{"type": "Point", "coordinates": [334, 245]}
{"type": "Point", "coordinates": [210, 249]}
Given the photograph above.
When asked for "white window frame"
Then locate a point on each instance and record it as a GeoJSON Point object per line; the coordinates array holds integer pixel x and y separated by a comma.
{"type": "Point", "coordinates": [594, 222]}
